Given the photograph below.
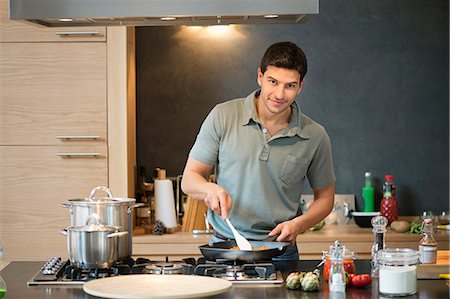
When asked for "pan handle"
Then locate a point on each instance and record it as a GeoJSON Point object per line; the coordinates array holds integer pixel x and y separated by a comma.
{"type": "Point", "coordinates": [271, 238]}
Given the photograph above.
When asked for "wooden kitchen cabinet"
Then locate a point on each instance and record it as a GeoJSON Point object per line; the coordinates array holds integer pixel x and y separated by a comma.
{"type": "Point", "coordinates": [64, 128]}
{"type": "Point", "coordinates": [21, 31]}
{"type": "Point", "coordinates": [34, 180]}
{"type": "Point", "coordinates": [53, 90]}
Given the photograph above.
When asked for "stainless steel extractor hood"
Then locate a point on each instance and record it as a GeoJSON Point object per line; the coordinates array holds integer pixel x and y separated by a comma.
{"type": "Point", "coordinates": [63, 13]}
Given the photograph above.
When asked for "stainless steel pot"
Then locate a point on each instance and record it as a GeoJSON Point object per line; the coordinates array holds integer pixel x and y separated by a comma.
{"type": "Point", "coordinates": [93, 246]}
{"type": "Point", "coordinates": [112, 211]}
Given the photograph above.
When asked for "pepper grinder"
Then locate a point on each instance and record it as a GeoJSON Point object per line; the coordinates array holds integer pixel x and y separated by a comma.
{"type": "Point", "coordinates": [336, 281]}
{"type": "Point", "coordinates": [379, 224]}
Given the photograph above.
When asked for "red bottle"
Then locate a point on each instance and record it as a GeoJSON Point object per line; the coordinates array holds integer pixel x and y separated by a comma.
{"type": "Point", "coordinates": [389, 206]}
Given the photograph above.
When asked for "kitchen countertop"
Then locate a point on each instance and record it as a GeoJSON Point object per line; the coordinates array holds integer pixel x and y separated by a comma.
{"type": "Point", "coordinates": [17, 273]}
{"type": "Point", "coordinates": [310, 244]}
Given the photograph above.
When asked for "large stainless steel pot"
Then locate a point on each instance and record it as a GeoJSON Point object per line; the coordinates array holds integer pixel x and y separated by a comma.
{"type": "Point", "coordinates": [112, 211]}
{"type": "Point", "coordinates": [93, 246]}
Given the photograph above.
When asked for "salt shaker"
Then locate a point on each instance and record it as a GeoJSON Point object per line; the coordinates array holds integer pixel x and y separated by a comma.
{"type": "Point", "coordinates": [336, 280]}
{"type": "Point", "coordinates": [379, 224]}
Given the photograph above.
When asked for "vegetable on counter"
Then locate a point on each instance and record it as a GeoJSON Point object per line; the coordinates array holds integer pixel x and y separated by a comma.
{"type": "Point", "coordinates": [306, 281]}
{"type": "Point", "coordinates": [416, 226]}
{"type": "Point", "coordinates": [294, 280]}
{"type": "Point", "coordinates": [400, 226]}
{"type": "Point", "coordinates": [361, 280]}
{"type": "Point", "coordinates": [318, 226]}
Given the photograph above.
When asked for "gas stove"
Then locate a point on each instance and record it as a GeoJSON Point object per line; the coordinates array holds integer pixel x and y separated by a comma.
{"type": "Point", "coordinates": [58, 272]}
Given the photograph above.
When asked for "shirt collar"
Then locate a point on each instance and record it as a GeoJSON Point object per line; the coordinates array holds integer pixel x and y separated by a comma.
{"type": "Point", "coordinates": [296, 125]}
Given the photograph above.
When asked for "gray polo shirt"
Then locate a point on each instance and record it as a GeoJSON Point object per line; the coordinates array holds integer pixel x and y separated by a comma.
{"type": "Point", "coordinates": [264, 176]}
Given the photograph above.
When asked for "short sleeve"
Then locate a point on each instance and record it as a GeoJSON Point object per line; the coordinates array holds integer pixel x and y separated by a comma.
{"type": "Point", "coordinates": [206, 146]}
{"type": "Point", "coordinates": [321, 172]}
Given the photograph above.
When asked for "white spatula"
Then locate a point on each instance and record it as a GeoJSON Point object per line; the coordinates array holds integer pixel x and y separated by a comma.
{"type": "Point", "coordinates": [241, 241]}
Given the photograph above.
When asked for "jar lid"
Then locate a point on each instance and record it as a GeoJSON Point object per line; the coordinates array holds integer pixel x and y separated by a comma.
{"type": "Point", "coordinates": [398, 257]}
{"type": "Point", "coordinates": [347, 254]}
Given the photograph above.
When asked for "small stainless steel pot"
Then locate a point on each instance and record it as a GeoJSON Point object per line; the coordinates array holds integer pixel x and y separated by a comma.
{"type": "Point", "coordinates": [93, 246]}
{"type": "Point", "coordinates": [112, 211]}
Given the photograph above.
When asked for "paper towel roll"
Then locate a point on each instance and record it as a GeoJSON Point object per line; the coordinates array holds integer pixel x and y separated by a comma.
{"type": "Point", "coordinates": [165, 203]}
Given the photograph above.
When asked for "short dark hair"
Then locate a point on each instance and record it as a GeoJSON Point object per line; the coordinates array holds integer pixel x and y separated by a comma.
{"type": "Point", "coordinates": [285, 55]}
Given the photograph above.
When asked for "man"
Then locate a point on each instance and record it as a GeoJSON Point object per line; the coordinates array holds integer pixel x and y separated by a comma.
{"type": "Point", "coordinates": [263, 148]}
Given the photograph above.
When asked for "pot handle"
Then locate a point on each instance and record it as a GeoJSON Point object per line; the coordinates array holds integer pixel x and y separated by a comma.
{"type": "Point", "coordinates": [137, 205]}
{"type": "Point", "coordinates": [63, 231]}
{"type": "Point", "coordinates": [118, 234]}
{"type": "Point", "coordinates": [64, 205]}
{"type": "Point", "coordinates": [101, 188]}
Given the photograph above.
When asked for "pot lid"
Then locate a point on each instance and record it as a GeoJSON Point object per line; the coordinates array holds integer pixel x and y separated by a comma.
{"type": "Point", "coordinates": [109, 199]}
{"type": "Point", "coordinates": [93, 225]}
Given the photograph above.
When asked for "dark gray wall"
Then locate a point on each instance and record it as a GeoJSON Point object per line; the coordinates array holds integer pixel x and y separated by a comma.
{"type": "Point", "coordinates": [378, 80]}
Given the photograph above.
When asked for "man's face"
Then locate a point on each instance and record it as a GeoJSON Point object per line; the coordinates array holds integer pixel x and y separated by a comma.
{"type": "Point", "coordinates": [279, 88]}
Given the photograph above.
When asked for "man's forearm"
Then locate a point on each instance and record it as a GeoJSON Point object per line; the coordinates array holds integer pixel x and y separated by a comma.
{"type": "Point", "coordinates": [319, 209]}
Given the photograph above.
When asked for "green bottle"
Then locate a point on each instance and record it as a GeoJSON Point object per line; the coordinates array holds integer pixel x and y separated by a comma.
{"type": "Point", "coordinates": [368, 193]}
{"type": "Point", "coordinates": [2, 288]}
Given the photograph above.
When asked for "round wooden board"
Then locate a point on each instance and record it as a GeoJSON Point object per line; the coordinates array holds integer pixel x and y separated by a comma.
{"type": "Point", "coordinates": [144, 286]}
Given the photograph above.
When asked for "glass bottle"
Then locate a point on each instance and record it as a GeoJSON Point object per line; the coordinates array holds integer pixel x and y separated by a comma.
{"type": "Point", "coordinates": [368, 193]}
{"type": "Point", "coordinates": [389, 206]}
{"type": "Point", "coordinates": [336, 280]}
{"type": "Point", "coordinates": [427, 245]}
{"type": "Point", "coordinates": [379, 224]}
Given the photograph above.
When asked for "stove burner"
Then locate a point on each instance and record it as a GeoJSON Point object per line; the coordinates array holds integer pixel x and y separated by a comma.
{"type": "Point", "coordinates": [164, 268]}
{"type": "Point", "coordinates": [236, 272]}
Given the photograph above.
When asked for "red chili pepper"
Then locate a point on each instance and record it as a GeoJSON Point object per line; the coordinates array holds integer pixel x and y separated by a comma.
{"type": "Point", "coordinates": [361, 280]}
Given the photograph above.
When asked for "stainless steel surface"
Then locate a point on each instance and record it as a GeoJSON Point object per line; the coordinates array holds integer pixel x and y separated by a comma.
{"type": "Point", "coordinates": [112, 211]}
{"type": "Point", "coordinates": [93, 245]}
{"type": "Point", "coordinates": [78, 154]}
{"type": "Point", "coordinates": [68, 137]}
{"type": "Point", "coordinates": [77, 33]}
{"type": "Point", "coordinates": [150, 12]}
{"type": "Point", "coordinates": [63, 273]}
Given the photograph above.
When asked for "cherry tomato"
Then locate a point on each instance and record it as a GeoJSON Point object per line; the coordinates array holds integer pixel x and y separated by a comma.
{"type": "Point", "coordinates": [361, 280]}
{"type": "Point", "coordinates": [350, 278]}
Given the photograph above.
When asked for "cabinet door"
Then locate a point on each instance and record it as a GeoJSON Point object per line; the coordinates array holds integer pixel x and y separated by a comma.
{"type": "Point", "coordinates": [22, 31]}
{"type": "Point", "coordinates": [34, 180]}
{"type": "Point", "coordinates": [52, 90]}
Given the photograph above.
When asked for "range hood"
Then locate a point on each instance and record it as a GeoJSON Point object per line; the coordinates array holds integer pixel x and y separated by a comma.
{"type": "Point", "coordinates": [64, 13]}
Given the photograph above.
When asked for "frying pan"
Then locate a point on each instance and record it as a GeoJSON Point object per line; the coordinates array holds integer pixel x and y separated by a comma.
{"type": "Point", "coordinates": [221, 250]}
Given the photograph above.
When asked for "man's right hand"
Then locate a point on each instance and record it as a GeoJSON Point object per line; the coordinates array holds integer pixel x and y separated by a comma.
{"type": "Point", "coordinates": [218, 200]}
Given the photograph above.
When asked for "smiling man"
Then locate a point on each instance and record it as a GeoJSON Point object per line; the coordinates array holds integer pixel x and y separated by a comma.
{"type": "Point", "coordinates": [263, 148]}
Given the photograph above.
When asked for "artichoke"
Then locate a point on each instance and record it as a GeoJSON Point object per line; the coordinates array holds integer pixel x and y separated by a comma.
{"type": "Point", "coordinates": [310, 282]}
{"type": "Point", "coordinates": [294, 280]}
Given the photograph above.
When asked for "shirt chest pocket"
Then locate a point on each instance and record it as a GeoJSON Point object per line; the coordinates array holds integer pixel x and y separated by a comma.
{"type": "Point", "coordinates": [293, 169]}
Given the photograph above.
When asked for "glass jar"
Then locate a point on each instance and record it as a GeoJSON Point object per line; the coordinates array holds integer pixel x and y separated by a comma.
{"type": "Point", "coordinates": [397, 271]}
{"type": "Point", "coordinates": [348, 261]}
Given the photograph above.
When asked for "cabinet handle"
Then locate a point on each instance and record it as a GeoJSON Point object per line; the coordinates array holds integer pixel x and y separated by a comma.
{"type": "Point", "coordinates": [79, 33]}
{"type": "Point", "coordinates": [68, 155]}
{"type": "Point", "coordinates": [68, 137]}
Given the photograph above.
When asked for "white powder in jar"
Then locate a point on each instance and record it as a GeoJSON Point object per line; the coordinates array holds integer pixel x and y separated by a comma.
{"type": "Point", "coordinates": [398, 280]}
